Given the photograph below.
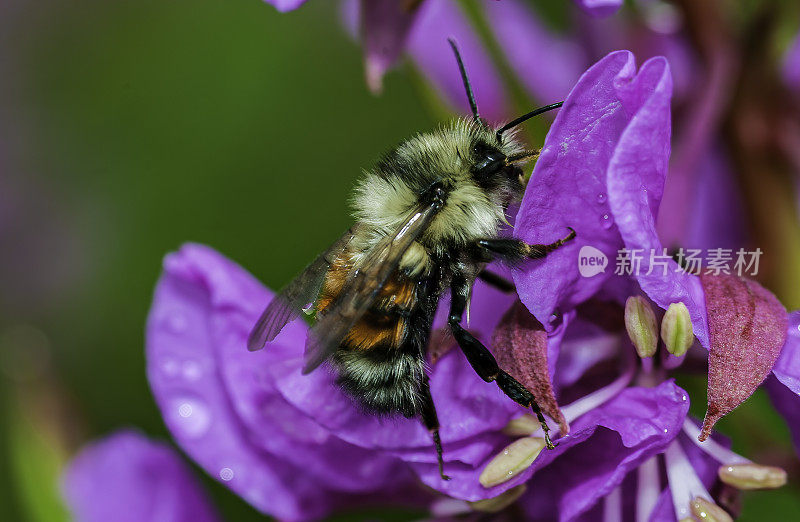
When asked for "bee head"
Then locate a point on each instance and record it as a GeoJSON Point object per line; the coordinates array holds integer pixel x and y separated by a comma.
{"type": "Point", "coordinates": [495, 164]}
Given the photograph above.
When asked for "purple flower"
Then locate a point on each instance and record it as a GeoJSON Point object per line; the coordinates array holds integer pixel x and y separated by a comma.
{"type": "Point", "coordinates": [612, 136]}
{"type": "Point", "coordinates": [281, 439]}
{"type": "Point", "coordinates": [128, 477]}
{"type": "Point", "coordinates": [226, 408]}
{"type": "Point", "coordinates": [296, 447]}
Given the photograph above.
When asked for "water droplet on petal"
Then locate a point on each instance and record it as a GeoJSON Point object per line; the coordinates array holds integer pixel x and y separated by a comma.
{"type": "Point", "coordinates": [169, 366]}
{"type": "Point", "coordinates": [606, 221]}
{"type": "Point", "coordinates": [175, 322]}
{"type": "Point", "coordinates": [601, 198]}
{"type": "Point", "coordinates": [192, 370]}
{"type": "Point", "coordinates": [226, 474]}
{"type": "Point", "coordinates": [190, 416]}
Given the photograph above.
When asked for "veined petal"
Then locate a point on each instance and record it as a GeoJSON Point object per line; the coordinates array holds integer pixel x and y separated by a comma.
{"type": "Point", "coordinates": [523, 349]}
{"type": "Point", "coordinates": [748, 327]}
{"type": "Point", "coordinates": [130, 478]}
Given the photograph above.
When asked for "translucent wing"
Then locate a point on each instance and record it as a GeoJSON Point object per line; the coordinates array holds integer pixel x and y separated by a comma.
{"type": "Point", "coordinates": [301, 291]}
{"type": "Point", "coordinates": [362, 288]}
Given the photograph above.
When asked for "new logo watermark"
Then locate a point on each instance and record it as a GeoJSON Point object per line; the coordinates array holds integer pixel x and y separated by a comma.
{"type": "Point", "coordinates": [714, 261]}
{"type": "Point", "coordinates": [591, 261]}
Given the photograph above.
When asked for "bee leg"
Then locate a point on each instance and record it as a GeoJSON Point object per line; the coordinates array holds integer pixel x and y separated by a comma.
{"type": "Point", "coordinates": [497, 281]}
{"type": "Point", "coordinates": [515, 250]}
{"type": "Point", "coordinates": [431, 421]}
{"type": "Point", "coordinates": [482, 360]}
{"type": "Point", "coordinates": [539, 251]}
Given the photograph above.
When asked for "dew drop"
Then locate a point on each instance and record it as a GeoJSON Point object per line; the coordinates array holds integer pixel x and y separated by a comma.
{"type": "Point", "coordinates": [666, 430]}
{"type": "Point", "coordinates": [190, 416]}
{"type": "Point", "coordinates": [169, 366]}
{"type": "Point", "coordinates": [601, 198]}
{"type": "Point", "coordinates": [606, 221]}
{"type": "Point", "coordinates": [192, 370]}
{"type": "Point", "coordinates": [683, 398]}
{"type": "Point", "coordinates": [176, 322]}
{"type": "Point", "coordinates": [226, 474]}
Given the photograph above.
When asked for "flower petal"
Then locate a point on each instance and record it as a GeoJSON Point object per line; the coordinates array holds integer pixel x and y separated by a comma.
{"type": "Point", "coordinates": [568, 189]}
{"type": "Point", "coordinates": [531, 48]}
{"type": "Point", "coordinates": [787, 367]}
{"type": "Point", "coordinates": [437, 21]}
{"type": "Point", "coordinates": [787, 402]}
{"type": "Point", "coordinates": [635, 425]}
{"type": "Point", "coordinates": [612, 137]}
{"type": "Point", "coordinates": [748, 327]}
{"type": "Point", "coordinates": [211, 392]}
{"type": "Point", "coordinates": [385, 25]}
{"type": "Point", "coordinates": [522, 348]}
{"type": "Point", "coordinates": [129, 478]}
{"type": "Point", "coordinates": [285, 5]}
{"type": "Point", "coordinates": [599, 8]}
{"type": "Point", "coordinates": [636, 176]}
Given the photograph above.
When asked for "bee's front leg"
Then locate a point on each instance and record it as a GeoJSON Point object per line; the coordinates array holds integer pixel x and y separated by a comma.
{"type": "Point", "coordinates": [497, 281]}
{"type": "Point", "coordinates": [515, 250]}
{"type": "Point", "coordinates": [482, 360]}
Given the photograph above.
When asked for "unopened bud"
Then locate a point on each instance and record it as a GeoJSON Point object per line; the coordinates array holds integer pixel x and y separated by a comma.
{"type": "Point", "coordinates": [513, 460]}
{"type": "Point", "coordinates": [522, 426]}
{"type": "Point", "coordinates": [676, 329]}
{"type": "Point", "coordinates": [752, 476]}
{"type": "Point", "coordinates": [500, 502]}
{"type": "Point", "coordinates": [705, 510]}
{"type": "Point", "coordinates": [640, 321]}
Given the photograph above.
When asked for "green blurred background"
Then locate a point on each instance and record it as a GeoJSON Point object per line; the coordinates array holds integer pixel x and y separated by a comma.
{"type": "Point", "coordinates": [129, 128]}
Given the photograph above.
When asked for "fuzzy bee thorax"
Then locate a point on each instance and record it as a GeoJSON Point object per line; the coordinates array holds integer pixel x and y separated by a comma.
{"type": "Point", "coordinates": [474, 206]}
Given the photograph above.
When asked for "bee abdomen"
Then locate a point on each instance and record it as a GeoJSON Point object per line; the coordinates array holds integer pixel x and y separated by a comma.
{"type": "Point", "coordinates": [383, 381]}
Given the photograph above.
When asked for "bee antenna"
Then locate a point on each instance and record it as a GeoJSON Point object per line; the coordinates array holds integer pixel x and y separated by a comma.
{"type": "Point", "coordinates": [535, 112]}
{"type": "Point", "coordinates": [470, 96]}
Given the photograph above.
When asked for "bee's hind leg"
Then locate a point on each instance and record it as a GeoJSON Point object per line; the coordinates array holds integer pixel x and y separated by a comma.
{"type": "Point", "coordinates": [431, 421]}
{"type": "Point", "coordinates": [482, 360]}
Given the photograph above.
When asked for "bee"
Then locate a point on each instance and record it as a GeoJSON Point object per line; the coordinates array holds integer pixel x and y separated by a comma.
{"type": "Point", "coordinates": [428, 217]}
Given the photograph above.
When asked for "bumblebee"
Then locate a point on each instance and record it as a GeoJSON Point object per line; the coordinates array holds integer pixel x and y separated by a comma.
{"type": "Point", "coordinates": [427, 221]}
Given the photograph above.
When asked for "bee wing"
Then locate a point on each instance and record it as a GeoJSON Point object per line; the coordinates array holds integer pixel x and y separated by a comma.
{"type": "Point", "coordinates": [362, 288]}
{"type": "Point", "coordinates": [301, 291]}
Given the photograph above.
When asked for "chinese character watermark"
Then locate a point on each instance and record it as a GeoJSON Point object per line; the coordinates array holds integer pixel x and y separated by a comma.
{"type": "Point", "coordinates": [638, 261]}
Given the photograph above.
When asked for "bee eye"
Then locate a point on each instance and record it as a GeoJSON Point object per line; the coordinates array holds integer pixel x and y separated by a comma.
{"type": "Point", "coordinates": [488, 161]}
